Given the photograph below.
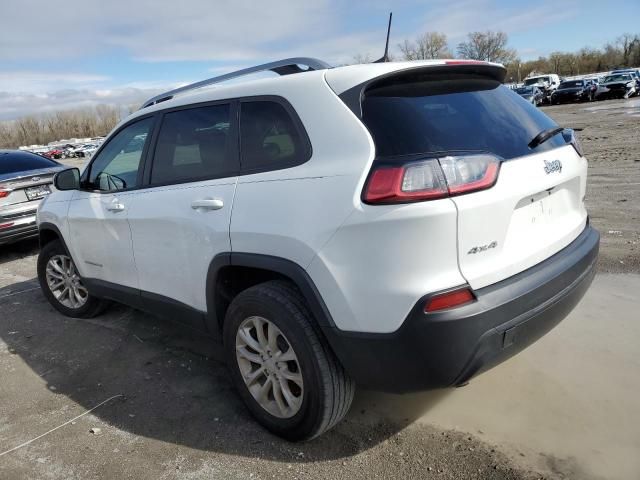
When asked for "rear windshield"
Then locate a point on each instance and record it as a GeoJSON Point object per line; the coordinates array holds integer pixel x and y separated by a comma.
{"type": "Point", "coordinates": [13, 162]}
{"type": "Point", "coordinates": [427, 115]}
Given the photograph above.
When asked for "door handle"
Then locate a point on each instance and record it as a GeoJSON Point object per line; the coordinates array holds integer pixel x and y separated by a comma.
{"type": "Point", "coordinates": [115, 206]}
{"type": "Point", "coordinates": [207, 204]}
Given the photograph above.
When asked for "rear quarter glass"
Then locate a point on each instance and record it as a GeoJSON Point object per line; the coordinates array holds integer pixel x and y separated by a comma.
{"type": "Point", "coordinates": [427, 114]}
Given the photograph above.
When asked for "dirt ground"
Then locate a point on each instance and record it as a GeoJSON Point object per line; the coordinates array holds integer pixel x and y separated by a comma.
{"type": "Point", "coordinates": [610, 135]}
{"type": "Point", "coordinates": [562, 409]}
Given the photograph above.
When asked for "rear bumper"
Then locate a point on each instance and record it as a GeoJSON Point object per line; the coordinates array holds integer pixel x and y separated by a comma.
{"type": "Point", "coordinates": [18, 228]}
{"type": "Point", "coordinates": [448, 348]}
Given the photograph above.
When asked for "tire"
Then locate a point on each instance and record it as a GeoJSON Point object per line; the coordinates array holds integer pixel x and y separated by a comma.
{"type": "Point", "coordinates": [325, 393]}
{"type": "Point", "coordinates": [83, 306]}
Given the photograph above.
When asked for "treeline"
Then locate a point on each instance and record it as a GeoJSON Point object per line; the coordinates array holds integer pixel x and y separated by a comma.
{"type": "Point", "coordinates": [493, 47]}
{"type": "Point", "coordinates": [45, 128]}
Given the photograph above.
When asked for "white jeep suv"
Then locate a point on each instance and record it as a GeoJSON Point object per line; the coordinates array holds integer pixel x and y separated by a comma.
{"type": "Point", "coordinates": [400, 226]}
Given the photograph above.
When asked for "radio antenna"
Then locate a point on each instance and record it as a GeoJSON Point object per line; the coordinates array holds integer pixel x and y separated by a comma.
{"type": "Point", "coordinates": [385, 58]}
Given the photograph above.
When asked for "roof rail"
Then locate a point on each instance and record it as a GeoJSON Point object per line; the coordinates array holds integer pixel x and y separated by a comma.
{"type": "Point", "coordinates": [287, 66]}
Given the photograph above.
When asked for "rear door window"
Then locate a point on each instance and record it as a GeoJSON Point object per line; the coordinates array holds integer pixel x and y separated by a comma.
{"type": "Point", "coordinates": [194, 144]}
{"type": "Point", "coordinates": [270, 138]}
{"type": "Point", "coordinates": [424, 115]}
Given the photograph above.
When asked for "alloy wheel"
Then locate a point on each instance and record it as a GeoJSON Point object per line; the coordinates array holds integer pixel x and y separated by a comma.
{"type": "Point", "coordinates": [269, 367]}
{"type": "Point", "coordinates": [64, 282]}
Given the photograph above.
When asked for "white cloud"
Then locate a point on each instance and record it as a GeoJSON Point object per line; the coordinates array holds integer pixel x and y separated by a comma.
{"type": "Point", "coordinates": [14, 105]}
{"type": "Point", "coordinates": [55, 39]}
{"type": "Point", "coordinates": [155, 31]}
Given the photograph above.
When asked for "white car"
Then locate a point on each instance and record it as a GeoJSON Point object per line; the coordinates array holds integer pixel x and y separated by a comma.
{"type": "Point", "coordinates": [400, 226]}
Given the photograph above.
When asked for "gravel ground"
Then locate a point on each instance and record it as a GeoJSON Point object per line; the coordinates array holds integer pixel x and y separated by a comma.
{"type": "Point", "coordinates": [178, 416]}
{"type": "Point", "coordinates": [610, 135]}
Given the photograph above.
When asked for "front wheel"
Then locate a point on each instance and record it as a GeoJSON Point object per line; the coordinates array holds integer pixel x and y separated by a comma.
{"type": "Point", "coordinates": [62, 285]}
{"type": "Point", "coordinates": [281, 365]}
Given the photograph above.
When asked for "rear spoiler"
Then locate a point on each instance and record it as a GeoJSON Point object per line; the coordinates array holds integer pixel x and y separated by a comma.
{"type": "Point", "coordinates": [354, 95]}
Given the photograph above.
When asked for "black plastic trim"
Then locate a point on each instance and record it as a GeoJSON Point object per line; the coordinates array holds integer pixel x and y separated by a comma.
{"type": "Point", "coordinates": [279, 265]}
{"type": "Point", "coordinates": [47, 226]}
{"type": "Point", "coordinates": [152, 303]}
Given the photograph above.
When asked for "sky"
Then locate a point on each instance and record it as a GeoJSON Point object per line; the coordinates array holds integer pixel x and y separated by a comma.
{"type": "Point", "coordinates": [57, 55]}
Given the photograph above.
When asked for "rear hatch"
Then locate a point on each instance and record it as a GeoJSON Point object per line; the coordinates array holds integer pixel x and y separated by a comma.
{"type": "Point", "coordinates": [532, 210]}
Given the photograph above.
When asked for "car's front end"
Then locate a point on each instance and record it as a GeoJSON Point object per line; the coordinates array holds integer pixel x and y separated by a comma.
{"type": "Point", "coordinates": [617, 86]}
{"type": "Point", "coordinates": [568, 95]}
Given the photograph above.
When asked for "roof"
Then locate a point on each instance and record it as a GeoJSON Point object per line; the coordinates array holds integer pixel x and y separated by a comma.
{"type": "Point", "coordinates": [339, 80]}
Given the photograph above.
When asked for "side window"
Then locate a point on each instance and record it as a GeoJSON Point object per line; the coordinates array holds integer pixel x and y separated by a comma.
{"type": "Point", "coordinates": [269, 138]}
{"type": "Point", "coordinates": [194, 144]}
{"type": "Point", "coordinates": [116, 167]}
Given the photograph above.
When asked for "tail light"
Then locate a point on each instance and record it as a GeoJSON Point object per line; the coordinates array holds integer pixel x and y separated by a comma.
{"type": "Point", "coordinates": [430, 179]}
{"type": "Point", "coordinates": [455, 298]}
{"type": "Point", "coordinates": [4, 193]}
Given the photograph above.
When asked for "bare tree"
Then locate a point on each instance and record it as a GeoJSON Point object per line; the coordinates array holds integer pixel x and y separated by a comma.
{"type": "Point", "coordinates": [60, 125]}
{"type": "Point", "coordinates": [362, 58]}
{"type": "Point", "coordinates": [488, 46]}
{"type": "Point", "coordinates": [426, 46]}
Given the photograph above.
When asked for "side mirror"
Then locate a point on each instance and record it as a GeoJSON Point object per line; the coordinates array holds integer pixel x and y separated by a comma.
{"type": "Point", "coordinates": [68, 179]}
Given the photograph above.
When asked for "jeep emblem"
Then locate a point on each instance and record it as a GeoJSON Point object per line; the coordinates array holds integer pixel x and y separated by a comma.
{"type": "Point", "coordinates": [550, 167]}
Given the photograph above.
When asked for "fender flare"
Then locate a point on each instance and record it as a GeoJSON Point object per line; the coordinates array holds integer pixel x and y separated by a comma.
{"type": "Point", "coordinates": [47, 226]}
{"type": "Point", "coordinates": [282, 266]}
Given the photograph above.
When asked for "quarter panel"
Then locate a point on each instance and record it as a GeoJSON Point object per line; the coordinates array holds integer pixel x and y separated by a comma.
{"type": "Point", "coordinates": [383, 260]}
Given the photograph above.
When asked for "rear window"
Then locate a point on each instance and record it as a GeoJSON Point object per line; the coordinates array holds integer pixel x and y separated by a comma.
{"type": "Point", "coordinates": [13, 162]}
{"type": "Point", "coordinates": [269, 137]}
{"type": "Point", "coordinates": [425, 115]}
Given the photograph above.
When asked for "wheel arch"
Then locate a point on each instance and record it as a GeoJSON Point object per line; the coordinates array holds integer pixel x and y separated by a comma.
{"type": "Point", "coordinates": [232, 272]}
{"type": "Point", "coordinates": [48, 232]}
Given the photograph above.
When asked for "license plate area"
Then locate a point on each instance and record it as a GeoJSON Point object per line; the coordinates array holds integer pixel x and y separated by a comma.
{"type": "Point", "coordinates": [37, 192]}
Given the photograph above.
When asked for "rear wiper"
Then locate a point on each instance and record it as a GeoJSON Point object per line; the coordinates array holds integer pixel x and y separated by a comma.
{"type": "Point", "coordinates": [544, 135]}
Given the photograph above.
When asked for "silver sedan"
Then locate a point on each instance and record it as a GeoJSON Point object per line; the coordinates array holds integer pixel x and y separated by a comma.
{"type": "Point", "coordinates": [25, 178]}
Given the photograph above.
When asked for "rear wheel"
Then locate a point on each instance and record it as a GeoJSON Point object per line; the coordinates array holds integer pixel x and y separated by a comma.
{"type": "Point", "coordinates": [281, 364]}
{"type": "Point", "coordinates": [62, 285]}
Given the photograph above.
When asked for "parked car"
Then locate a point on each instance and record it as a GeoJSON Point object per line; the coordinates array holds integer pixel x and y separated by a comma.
{"type": "Point", "coordinates": [86, 150]}
{"type": "Point", "coordinates": [546, 83]}
{"type": "Point", "coordinates": [400, 226]}
{"type": "Point", "coordinates": [25, 178]}
{"type": "Point", "coordinates": [634, 72]}
{"type": "Point", "coordinates": [618, 85]}
{"type": "Point", "coordinates": [573, 91]}
{"type": "Point", "coordinates": [70, 151]}
{"type": "Point", "coordinates": [54, 153]}
{"type": "Point", "coordinates": [531, 94]}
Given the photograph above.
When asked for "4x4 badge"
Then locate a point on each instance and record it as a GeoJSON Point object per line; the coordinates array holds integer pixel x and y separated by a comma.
{"type": "Point", "coordinates": [482, 248]}
{"type": "Point", "coordinates": [550, 167]}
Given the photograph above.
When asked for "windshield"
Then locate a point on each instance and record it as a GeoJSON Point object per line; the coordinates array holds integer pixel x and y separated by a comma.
{"type": "Point", "coordinates": [573, 84]}
{"type": "Point", "coordinates": [13, 162]}
{"type": "Point", "coordinates": [422, 115]}
{"type": "Point", "coordinates": [536, 80]}
{"type": "Point", "coordinates": [617, 78]}
{"type": "Point", "coordinates": [524, 90]}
